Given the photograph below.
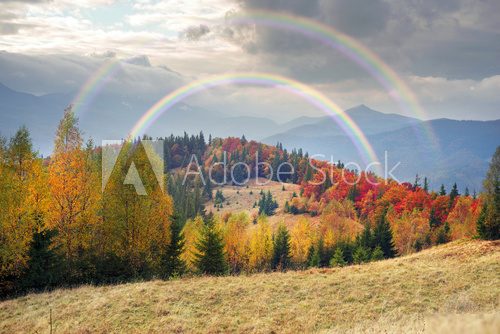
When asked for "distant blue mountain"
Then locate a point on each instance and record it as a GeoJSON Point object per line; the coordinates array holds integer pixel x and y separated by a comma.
{"type": "Point", "coordinates": [463, 147]}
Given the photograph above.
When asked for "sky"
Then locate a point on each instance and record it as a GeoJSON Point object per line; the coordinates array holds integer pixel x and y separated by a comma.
{"type": "Point", "coordinates": [446, 52]}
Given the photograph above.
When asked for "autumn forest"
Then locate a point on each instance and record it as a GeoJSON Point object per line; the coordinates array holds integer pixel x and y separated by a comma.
{"type": "Point", "coordinates": [59, 227]}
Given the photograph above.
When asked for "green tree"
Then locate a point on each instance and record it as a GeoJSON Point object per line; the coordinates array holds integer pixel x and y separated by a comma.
{"type": "Point", "coordinates": [377, 254]}
{"type": "Point", "coordinates": [453, 194]}
{"type": "Point", "coordinates": [338, 258]}
{"type": "Point", "coordinates": [360, 255]}
{"type": "Point", "coordinates": [442, 191]}
{"type": "Point", "coordinates": [44, 265]}
{"type": "Point", "coordinates": [488, 225]}
{"type": "Point", "coordinates": [281, 250]}
{"type": "Point", "coordinates": [172, 263]}
{"type": "Point", "coordinates": [267, 204]}
{"type": "Point", "coordinates": [382, 236]}
{"type": "Point", "coordinates": [210, 256]}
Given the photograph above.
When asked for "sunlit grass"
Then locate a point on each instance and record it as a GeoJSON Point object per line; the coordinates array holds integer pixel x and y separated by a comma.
{"type": "Point", "coordinates": [451, 288]}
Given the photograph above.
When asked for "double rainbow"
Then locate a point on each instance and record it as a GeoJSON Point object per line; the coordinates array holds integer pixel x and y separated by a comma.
{"type": "Point", "coordinates": [395, 87]}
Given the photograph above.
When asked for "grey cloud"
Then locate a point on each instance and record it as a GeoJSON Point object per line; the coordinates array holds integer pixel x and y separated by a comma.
{"type": "Point", "coordinates": [453, 39]}
{"type": "Point", "coordinates": [195, 33]}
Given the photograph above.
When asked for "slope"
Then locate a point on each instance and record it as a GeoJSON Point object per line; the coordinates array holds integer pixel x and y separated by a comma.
{"type": "Point", "coordinates": [451, 288]}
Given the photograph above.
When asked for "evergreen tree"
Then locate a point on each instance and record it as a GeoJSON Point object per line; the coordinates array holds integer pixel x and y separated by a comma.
{"type": "Point", "coordinates": [338, 258]}
{"type": "Point", "coordinates": [382, 236]}
{"type": "Point", "coordinates": [443, 235]}
{"type": "Point", "coordinates": [45, 265]}
{"type": "Point", "coordinates": [377, 254]}
{"type": "Point", "coordinates": [453, 194]}
{"type": "Point", "coordinates": [426, 184]}
{"type": "Point", "coordinates": [442, 191]}
{"type": "Point", "coordinates": [466, 193]}
{"type": "Point", "coordinates": [210, 257]}
{"type": "Point", "coordinates": [281, 250]}
{"type": "Point", "coordinates": [416, 184]}
{"type": "Point", "coordinates": [267, 204]}
{"type": "Point", "coordinates": [172, 263]}
{"type": "Point", "coordinates": [360, 255]}
{"type": "Point", "coordinates": [488, 224]}
{"type": "Point", "coordinates": [433, 219]}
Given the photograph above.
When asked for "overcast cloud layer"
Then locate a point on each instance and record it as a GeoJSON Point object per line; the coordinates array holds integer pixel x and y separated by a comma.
{"type": "Point", "coordinates": [447, 51]}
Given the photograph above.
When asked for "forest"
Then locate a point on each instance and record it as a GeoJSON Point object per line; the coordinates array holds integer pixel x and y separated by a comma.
{"type": "Point", "coordinates": [59, 227]}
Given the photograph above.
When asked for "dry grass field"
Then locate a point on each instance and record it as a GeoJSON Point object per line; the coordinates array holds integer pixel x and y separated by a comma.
{"type": "Point", "coordinates": [453, 288]}
{"type": "Point", "coordinates": [242, 199]}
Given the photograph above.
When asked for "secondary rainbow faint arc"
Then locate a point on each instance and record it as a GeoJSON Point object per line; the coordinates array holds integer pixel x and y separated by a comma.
{"type": "Point", "coordinates": [308, 93]}
{"type": "Point", "coordinates": [92, 85]}
{"type": "Point", "coordinates": [349, 46]}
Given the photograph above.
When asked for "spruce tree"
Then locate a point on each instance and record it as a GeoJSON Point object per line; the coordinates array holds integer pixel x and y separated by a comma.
{"type": "Point", "coordinates": [382, 236]}
{"type": "Point", "coordinates": [488, 225]}
{"type": "Point", "coordinates": [453, 194]}
{"type": "Point", "coordinates": [377, 254]}
{"type": "Point", "coordinates": [442, 191]}
{"type": "Point", "coordinates": [45, 265]}
{"type": "Point", "coordinates": [426, 184]}
{"type": "Point", "coordinates": [210, 257]}
{"type": "Point", "coordinates": [338, 258]}
{"type": "Point", "coordinates": [360, 255]}
{"type": "Point", "coordinates": [281, 249]}
{"type": "Point", "coordinates": [172, 263]}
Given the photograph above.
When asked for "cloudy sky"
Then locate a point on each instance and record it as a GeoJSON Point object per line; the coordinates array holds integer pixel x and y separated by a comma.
{"type": "Point", "coordinates": [447, 52]}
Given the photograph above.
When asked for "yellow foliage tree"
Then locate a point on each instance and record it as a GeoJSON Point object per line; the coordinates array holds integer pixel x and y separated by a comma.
{"type": "Point", "coordinates": [236, 241]}
{"type": "Point", "coordinates": [260, 246]}
{"type": "Point", "coordinates": [73, 191]}
{"type": "Point", "coordinates": [302, 237]}
{"type": "Point", "coordinates": [191, 233]}
{"type": "Point", "coordinates": [462, 219]}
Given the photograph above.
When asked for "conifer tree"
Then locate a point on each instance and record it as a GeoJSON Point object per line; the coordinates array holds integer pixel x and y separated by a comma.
{"type": "Point", "coordinates": [338, 258]}
{"type": "Point", "coordinates": [426, 184]}
{"type": "Point", "coordinates": [44, 265]}
{"type": "Point", "coordinates": [281, 249]}
{"type": "Point", "coordinates": [382, 236]}
{"type": "Point", "coordinates": [442, 191]}
{"type": "Point", "coordinates": [377, 254]}
{"type": "Point", "coordinates": [453, 194]}
{"type": "Point", "coordinates": [172, 263]}
{"type": "Point", "coordinates": [210, 257]}
{"type": "Point", "coordinates": [360, 255]}
{"type": "Point", "coordinates": [488, 225]}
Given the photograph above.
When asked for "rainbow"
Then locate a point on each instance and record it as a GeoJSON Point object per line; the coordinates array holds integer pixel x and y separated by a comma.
{"type": "Point", "coordinates": [309, 94]}
{"type": "Point", "coordinates": [93, 85]}
{"type": "Point", "coordinates": [397, 89]}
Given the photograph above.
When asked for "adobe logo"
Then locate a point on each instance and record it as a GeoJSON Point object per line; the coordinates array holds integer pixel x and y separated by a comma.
{"type": "Point", "coordinates": [132, 162]}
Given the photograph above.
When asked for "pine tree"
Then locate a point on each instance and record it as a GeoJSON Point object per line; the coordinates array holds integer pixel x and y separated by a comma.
{"type": "Point", "coordinates": [488, 225]}
{"type": "Point", "coordinates": [338, 258]}
{"type": "Point", "coordinates": [210, 257]}
{"type": "Point", "coordinates": [433, 219]}
{"type": "Point", "coordinates": [426, 184]}
{"type": "Point", "coordinates": [453, 194]}
{"type": "Point", "coordinates": [377, 254]}
{"type": "Point", "coordinates": [281, 249]}
{"type": "Point", "coordinates": [172, 263]}
{"type": "Point", "coordinates": [45, 265]}
{"type": "Point", "coordinates": [416, 184]}
{"type": "Point", "coordinates": [382, 236]}
{"type": "Point", "coordinates": [360, 255]}
{"type": "Point", "coordinates": [442, 191]}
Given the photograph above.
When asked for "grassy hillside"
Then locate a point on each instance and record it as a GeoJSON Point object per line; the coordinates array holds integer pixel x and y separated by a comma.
{"type": "Point", "coordinates": [242, 199]}
{"type": "Point", "coordinates": [452, 288]}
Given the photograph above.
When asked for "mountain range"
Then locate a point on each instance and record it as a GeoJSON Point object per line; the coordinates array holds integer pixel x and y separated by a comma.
{"type": "Point", "coordinates": [444, 150]}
